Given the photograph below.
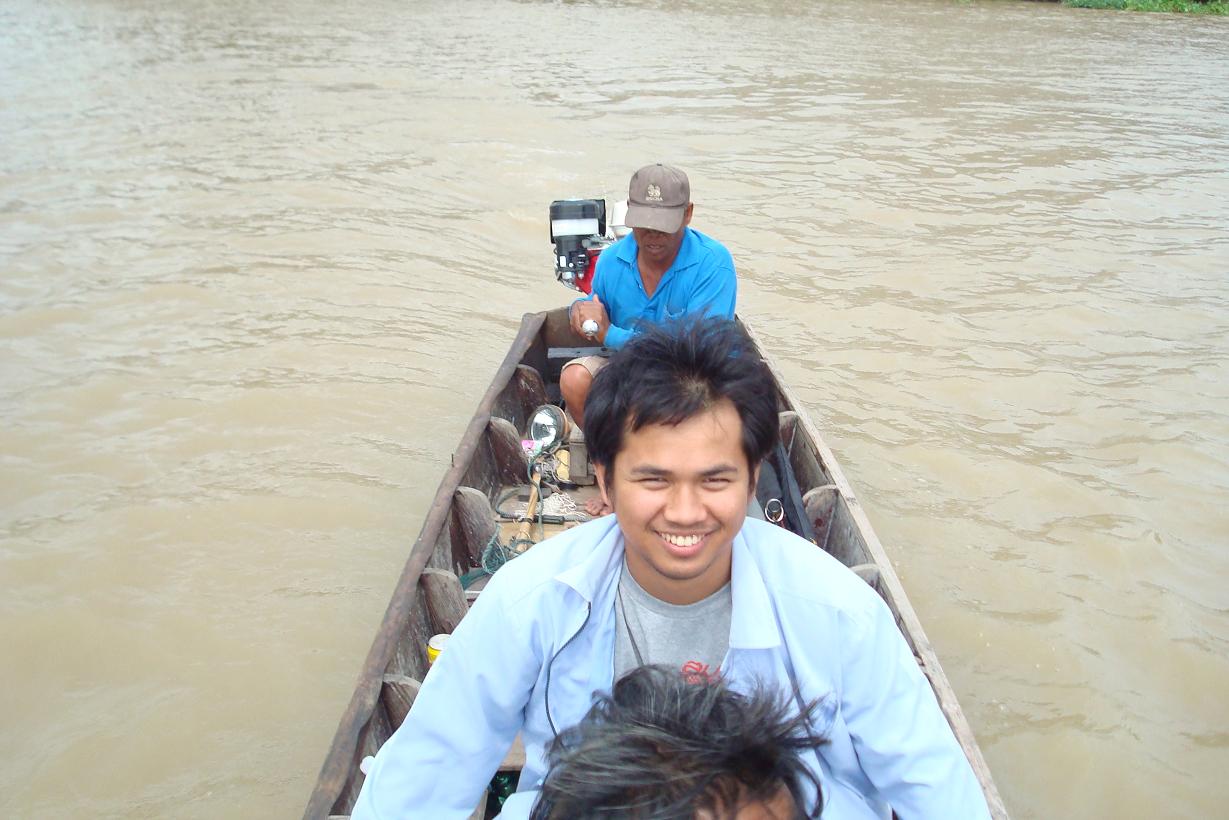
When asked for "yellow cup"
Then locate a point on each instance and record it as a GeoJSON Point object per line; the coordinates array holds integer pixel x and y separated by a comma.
{"type": "Point", "coordinates": [435, 646]}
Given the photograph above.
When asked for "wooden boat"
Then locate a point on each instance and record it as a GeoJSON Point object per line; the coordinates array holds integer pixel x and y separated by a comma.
{"type": "Point", "coordinates": [429, 598]}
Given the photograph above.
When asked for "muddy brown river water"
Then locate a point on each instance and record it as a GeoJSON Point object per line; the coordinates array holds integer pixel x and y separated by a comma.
{"type": "Point", "coordinates": [258, 262]}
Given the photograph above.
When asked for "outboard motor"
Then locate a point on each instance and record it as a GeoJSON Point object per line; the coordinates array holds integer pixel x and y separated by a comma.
{"type": "Point", "coordinates": [578, 229]}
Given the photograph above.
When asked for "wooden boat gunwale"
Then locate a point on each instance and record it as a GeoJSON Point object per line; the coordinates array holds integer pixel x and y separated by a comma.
{"type": "Point", "coordinates": [400, 639]}
{"type": "Point", "coordinates": [893, 593]}
{"type": "Point", "coordinates": [342, 760]}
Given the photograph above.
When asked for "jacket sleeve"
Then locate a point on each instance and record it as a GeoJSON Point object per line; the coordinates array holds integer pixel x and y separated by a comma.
{"type": "Point", "coordinates": [463, 721]}
{"type": "Point", "coordinates": [902, 739]}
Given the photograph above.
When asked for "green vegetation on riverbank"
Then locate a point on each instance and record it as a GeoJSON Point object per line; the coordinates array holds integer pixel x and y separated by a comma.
{"type": "Point", "coordinates": [1184, 6]}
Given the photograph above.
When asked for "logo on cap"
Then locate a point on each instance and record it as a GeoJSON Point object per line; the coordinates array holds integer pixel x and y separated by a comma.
{"type": "Point", "coordinates": [653, 194]}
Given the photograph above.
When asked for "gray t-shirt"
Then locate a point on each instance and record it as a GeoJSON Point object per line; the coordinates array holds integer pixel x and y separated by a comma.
{"type": "Point", "coordinates": [692, 638]}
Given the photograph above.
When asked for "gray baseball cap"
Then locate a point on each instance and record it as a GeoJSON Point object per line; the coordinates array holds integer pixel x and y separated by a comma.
{"type": "Point", "coordinates": [657, 198]}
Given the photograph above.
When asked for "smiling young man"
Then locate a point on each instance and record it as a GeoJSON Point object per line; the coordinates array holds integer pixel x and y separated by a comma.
{"type": "Point", "coordinates": [679, 421]}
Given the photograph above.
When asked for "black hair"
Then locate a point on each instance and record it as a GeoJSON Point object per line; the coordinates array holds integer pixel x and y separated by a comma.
{"type": "Point", "coordinates": [671, 372]}
{"type": "Point", "coordinates": [662, 748]}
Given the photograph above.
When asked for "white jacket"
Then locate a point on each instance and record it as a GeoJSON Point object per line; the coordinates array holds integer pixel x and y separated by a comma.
{"type": "Point", "coordinates": [539, 642]}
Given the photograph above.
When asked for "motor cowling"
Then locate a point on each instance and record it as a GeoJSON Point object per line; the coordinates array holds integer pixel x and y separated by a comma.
{"type": "Point", "coordinates": [578, 230]}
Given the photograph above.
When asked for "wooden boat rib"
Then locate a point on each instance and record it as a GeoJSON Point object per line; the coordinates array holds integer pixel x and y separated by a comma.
{"type": "Point", "coordinates": [428, 598]}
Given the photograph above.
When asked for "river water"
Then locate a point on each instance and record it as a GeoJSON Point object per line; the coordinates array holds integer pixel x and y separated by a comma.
{"type": "Point", "coordinates": [260, 260]}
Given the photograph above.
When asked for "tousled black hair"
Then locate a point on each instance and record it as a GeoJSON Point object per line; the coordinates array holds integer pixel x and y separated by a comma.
{"type": "Point", "coordinates": [671, 372]}
{"type": "Point", "coordinates": [662, 748]}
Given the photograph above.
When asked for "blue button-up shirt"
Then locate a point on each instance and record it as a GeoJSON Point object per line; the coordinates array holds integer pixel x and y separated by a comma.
{"type": "Point", "coordinates": [700, 280]}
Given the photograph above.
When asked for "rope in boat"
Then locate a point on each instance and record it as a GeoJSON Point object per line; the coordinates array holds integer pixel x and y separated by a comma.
{"type": "Point", "coordinates": [496, 553]}
{"type": "Point", "coordinates": [493, 556]}
{"type": "Point", "coordinates": [557, 508]}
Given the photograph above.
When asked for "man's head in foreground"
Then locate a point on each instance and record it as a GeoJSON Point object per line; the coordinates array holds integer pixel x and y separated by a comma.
{"type": "Point", "coordinates": [659, 748]}
{"type": "Point", "coordinates": [677, 425]}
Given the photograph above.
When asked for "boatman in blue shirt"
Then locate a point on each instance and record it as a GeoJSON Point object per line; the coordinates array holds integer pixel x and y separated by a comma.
{"type": "Point", "coordinates": [663, 270]}
{"type": "Point", "coordinates": [679, 421]}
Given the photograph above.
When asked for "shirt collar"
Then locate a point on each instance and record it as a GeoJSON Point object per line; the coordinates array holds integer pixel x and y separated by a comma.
{"type": "Point", "coordinates": [591, 576]}
{"type": "Point", "coordinates": [753, 622]}
{"type": "Point", "coordinates": [627, 249]}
